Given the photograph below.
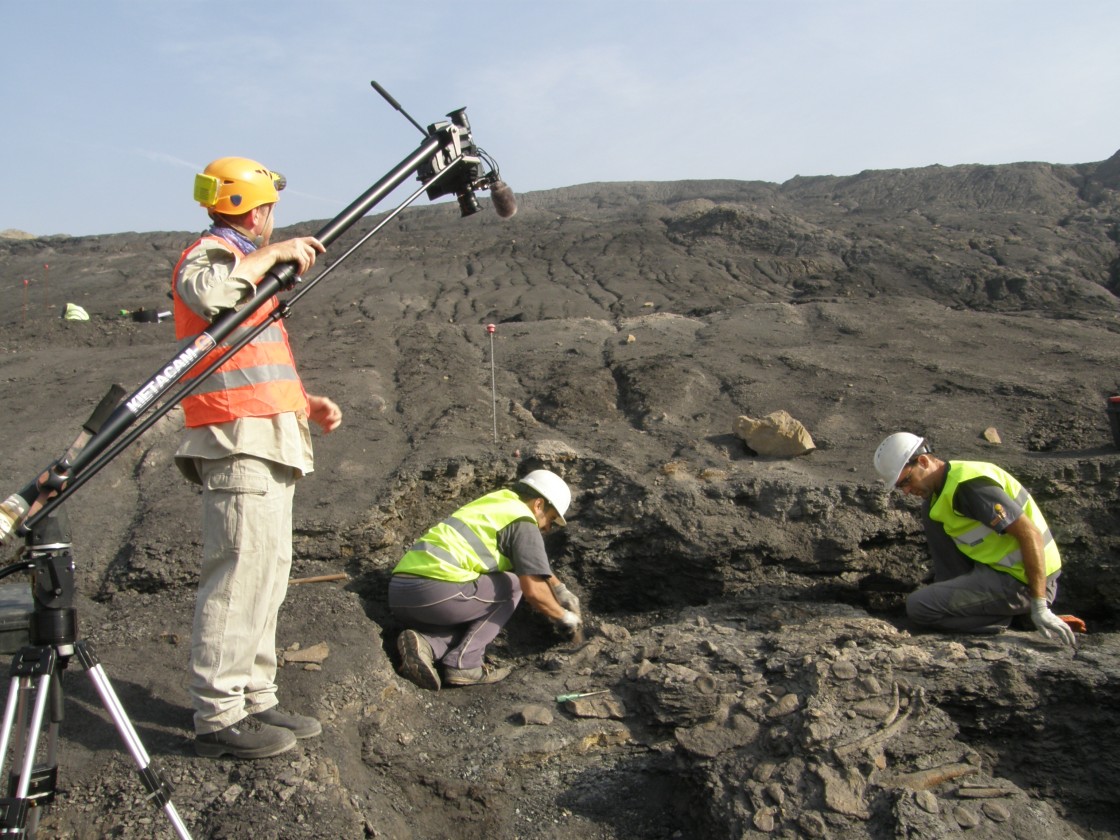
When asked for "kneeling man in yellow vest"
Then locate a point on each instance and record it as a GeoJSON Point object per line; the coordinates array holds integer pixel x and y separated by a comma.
{"type": "Point", "coordinates": [462, 581]}
{"type": "Point", "coordinates": [993, 554]}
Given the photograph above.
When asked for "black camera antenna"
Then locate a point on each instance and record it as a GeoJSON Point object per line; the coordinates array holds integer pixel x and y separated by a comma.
{"type": "Point", "coordinates": [388, 98]}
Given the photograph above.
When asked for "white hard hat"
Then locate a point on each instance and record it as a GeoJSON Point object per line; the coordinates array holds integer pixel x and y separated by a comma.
{"type": "Point", "coordinates": [895, 453]}
{"type": "Point", "coordinates": [553, 489]}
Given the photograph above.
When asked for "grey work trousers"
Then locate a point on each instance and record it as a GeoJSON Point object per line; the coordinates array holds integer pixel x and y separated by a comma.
{"type": "Point", "coordinates": [966, 596]}
{"type": "Point", "coordinates": [458, 620]}
{"type": "Point", "coordinates": [247, 557]}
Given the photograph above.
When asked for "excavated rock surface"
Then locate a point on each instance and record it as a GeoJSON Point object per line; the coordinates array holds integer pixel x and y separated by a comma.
{"type": "Point", "coordinates": [752, 673]}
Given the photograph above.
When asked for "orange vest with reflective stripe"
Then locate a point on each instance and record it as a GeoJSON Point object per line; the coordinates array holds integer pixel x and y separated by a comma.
{"type": "Point", "coordinates": [260, 380]}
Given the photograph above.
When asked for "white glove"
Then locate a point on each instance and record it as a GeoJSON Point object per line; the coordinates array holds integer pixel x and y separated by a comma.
{"type": "Point", "coordinates": [1049, 625]}
{"type": "Point", "coordinates": [570, 621]}
{"type": "Point", "coordinates": [565, 598]}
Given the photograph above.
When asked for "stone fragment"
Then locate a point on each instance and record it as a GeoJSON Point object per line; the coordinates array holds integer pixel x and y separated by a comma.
{"type": "Point", "coordinates": [812, 824]}
{"type": "Point", "coordinates": [993, 655]}
{"type": "Point", "coordinates": [844, 793]}
{"type": "Point", "coordinates": [910, 656]}
{"type": "Point", "coordinates": [615, 633]}
{"type": "Point", "coordinates": [584, 657]}
{"type": "Point", "coordinates": [315, 653]}
{"type": "Point", "coordinates": [535, 715]}
{"type": "Point", "coordinates": [785, 705]}
{"type": "Point", "coordinates": [708, 740]}
{"type": "Point", "coordinates": [706, 684]}
{"type": "Point", "coordinates": [965, 817]}
{"type": "Point", "coordinates": [763, 771]}
{"type": "Point", "coordinates": [820, 731]}
{"type": "Point", "coordinates": [613, 736]}
{"type": "Point", "coordinates": [874, 709]}
{"type": "Point", "coordinates": [682, 673]}
{"type": "Point", "coordinates": [871, 685]}
{"type": "Point", "coordinates": [998, 791]}
{"type": "Point", "coordinates": [956, 652]}
{"type": "Point", "coordinates": [926, 801]}
{"type": "Point", "coordinates": [843, 669]}
{"type": "Point", "coordinates": [991, 435]}
{"type": "Point", "coordinates": [776, 793]}
{"type": "Point", "coordinates": [996, 811]}
{"type": "Point", "coordinates": [550, 450]}
{"type": "Point", "coordinates": [764, 819]}
{"type": "Point", "coordinates": [598, 706]}
{"type": "Point", "coordinates": [930, 777]}
{"type": "Point", "coordinates": [777, 435]}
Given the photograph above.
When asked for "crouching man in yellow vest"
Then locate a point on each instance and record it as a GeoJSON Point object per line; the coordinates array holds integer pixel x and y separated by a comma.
{"type": "Point", "coordinates": [993, 554]}
{"type": "Point", "coordinates": [462, 581]}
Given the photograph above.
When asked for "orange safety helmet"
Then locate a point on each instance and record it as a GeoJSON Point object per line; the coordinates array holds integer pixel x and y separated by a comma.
{"type": "Point", "coordinates": [235, 185]}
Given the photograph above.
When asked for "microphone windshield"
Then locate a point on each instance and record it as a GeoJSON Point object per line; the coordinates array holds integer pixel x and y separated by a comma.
{"type": "Point", "coordinates": [503, 199]}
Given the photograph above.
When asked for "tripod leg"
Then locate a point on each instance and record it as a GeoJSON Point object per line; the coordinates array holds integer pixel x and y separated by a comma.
{"type": "Point", "coordinates": [32, 668]}
{"type": "Point", "coordinates": [9, 719]}
{"type": "Point", "coordinates": [159, 791]}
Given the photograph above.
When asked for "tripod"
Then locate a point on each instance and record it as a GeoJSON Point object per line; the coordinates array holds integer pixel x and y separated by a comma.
{"type": "Point", "coordinates": [35, 694]}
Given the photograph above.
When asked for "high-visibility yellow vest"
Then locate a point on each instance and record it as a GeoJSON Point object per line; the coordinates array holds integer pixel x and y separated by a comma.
{"type": "Point", "coordinates": [465, 544]}
{"type": "Point", "coordinates": [978, 540]}
{"type": "Point", "coordinates": [260, 380]}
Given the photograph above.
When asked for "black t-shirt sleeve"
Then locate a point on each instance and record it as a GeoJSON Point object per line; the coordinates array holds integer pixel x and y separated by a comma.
{"type": "Point", "coordinates": [987, 502]}
{"type": "Point", "coordinates": [523, 544]}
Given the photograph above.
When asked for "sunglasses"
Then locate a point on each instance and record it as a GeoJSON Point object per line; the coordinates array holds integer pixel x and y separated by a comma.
{"type": "Point", "coordinates": [905, 480]}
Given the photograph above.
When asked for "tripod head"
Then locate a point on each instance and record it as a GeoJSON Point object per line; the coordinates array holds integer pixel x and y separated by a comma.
{"type": "Point", "coordinates": [55, 619]}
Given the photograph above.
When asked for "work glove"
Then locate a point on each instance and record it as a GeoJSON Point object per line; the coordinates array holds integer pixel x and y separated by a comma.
{"type": "Point", "coordinates": [1049, 625]}
{"type": "Point", "coordinates": [565, 598]}
{"type": "Point", "coordinates": [569, 623]}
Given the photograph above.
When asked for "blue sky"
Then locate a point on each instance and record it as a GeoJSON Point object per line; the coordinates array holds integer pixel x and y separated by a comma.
{"type": "Point", "coordinates": [112, 106]}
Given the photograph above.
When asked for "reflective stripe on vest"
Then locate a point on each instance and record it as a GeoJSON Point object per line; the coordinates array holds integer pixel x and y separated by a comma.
{"type": "Point", "coordinates": [465, 544]}
{"type": "Point", "coordinates": [260, 380]}
{"type": "Point", "coordinates": [982, 543]}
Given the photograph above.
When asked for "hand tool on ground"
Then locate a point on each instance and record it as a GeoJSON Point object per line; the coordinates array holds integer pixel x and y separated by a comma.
{"type": "Point", "coordinates": [579, 695]}
{"type": "Point", "coordinates": [1075, 623]}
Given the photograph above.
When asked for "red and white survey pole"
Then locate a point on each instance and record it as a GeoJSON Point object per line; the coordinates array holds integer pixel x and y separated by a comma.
{"type": "Point", "coordinates": [491, 329]}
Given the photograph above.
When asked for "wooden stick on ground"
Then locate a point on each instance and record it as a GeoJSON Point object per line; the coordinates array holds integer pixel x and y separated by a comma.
{"type": "Point", "coordinates": [320, 578]}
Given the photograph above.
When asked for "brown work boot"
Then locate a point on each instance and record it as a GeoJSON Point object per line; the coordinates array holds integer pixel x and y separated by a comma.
{"type": "Point", "coordinates": [483, 675]}
{"type": "Point", "coordinates": [417, 661]}
{"type": "Point", "coordinates": [248, 738]}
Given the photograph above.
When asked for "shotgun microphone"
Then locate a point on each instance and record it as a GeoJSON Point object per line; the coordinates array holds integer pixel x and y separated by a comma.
{"type": "Point", "coordinates": [503, 199]}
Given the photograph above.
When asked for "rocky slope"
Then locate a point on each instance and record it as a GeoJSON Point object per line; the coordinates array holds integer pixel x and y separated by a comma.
{"type": "Point", "coordinates": [756, 676]}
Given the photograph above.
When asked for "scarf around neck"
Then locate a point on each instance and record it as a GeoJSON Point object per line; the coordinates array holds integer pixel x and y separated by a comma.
{"type": "Point", "coordinates": [235, 238]}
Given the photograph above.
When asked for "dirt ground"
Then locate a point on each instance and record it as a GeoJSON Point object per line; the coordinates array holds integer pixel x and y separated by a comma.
{"type": "Point", "coordinates": [633, 325]}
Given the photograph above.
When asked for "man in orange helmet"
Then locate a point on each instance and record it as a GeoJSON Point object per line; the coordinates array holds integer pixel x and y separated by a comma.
{"type": "Point", "coordinates": [247, 442]}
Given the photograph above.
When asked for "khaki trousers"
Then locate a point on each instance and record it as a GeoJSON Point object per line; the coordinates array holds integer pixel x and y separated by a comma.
{"type": "Point", "coordinates": [247, 558]}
